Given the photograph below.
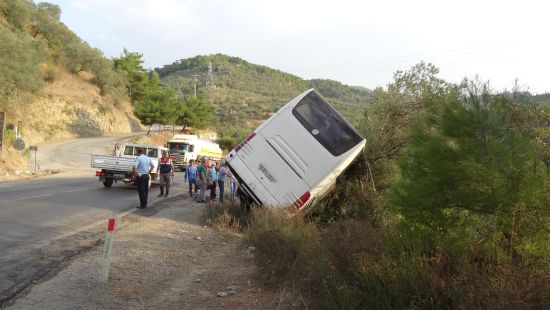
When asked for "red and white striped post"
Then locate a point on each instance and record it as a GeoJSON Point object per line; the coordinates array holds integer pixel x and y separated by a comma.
{"type": "Point", "coordinates": [107, 247]}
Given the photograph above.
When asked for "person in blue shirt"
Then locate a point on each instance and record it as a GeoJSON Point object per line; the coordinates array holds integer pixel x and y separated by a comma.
{"type": "Point", "coordinates": [142, 167]}
{"type": "Point", "coordinates": [221, 180]}
{"type": "Point", "coordinates": [214, 174]}
{"type": "Point", "coordinates": [190, 176]}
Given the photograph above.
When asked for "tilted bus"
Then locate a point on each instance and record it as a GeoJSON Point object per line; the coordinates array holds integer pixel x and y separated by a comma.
{"type": "Point", "coordinates": [293, 159]}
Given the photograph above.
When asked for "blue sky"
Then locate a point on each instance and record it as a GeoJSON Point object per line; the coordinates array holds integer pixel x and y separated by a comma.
{"type": "Point", "coordinates": [351, 41]}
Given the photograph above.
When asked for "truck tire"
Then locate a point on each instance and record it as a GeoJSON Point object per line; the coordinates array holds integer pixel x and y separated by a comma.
{"type": "Point", "coordinates": [108, 182]}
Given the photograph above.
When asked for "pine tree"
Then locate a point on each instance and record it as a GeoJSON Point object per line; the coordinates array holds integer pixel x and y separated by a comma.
{"type": "Point", "coordinates": [194, 112]}
{"type": "Point", "coordinates": [159, 105]}
{"type": "Point", "coordinates": [473, 169]}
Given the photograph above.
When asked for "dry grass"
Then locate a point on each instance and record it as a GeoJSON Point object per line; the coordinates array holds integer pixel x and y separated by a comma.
{"type": "Point", "coordinates": [59, 110]}
{"type": "Point", "coordinates": [227, 216]}
{"type": "Point", "coordinates": [12, 161]}
{"type": "Point", "coordinates": [352, 265]}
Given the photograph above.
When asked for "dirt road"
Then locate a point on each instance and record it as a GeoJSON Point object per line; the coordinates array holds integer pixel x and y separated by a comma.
{"type": "Point", "coordinates": [163, 258]}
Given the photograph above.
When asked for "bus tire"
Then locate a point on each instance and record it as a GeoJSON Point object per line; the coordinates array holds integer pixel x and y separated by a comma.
{"type": "Point", "coordinates": [108, 183]}
{"type": "Point", "coordinates": [244, 202]}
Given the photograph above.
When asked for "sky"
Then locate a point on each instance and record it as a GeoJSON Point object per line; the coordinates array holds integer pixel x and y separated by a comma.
{"type": "Point", "coordinates": [360, 43]}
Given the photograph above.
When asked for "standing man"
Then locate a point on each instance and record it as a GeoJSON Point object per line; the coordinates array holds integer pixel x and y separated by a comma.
{"type": "Point", "coordinates": [221, 180]}
{"type": "Point", "coordinates": [117, 149]}
{"type": "Point", "coordinates": [166, 172]}
{"type": "Point", "coordinates": [232, 183]}
{"type": "Point", "coordinates": [201, 171]}
{"type": "Point", "coordinates": [142, 167]}
{"type": "Point", "coordinates": [190, 176]}
{"type": "Point", "coordinates": [214, 176]}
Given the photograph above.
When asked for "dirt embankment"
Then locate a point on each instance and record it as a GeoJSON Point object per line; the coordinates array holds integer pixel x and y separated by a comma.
{"type": "Point", "coordinates": [70, 107]}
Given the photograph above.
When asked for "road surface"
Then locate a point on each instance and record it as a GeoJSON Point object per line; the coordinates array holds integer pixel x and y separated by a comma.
{"type": "Point", "coordinates": [44, 221]}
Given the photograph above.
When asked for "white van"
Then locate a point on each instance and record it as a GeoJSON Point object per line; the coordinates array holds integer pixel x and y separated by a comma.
{"type": "Point", "coordinates": [293, 159]}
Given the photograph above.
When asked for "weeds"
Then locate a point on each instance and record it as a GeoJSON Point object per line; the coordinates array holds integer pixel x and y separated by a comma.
{"type": "Point", "coordinates": [355, 265]}
{"type": "Point", "coordinates": [228, 216]}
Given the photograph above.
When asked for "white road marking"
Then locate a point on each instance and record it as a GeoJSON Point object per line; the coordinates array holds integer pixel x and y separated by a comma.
{"type": "Point", "coordinates": [31, 197]}
{"type": "Point", "coordinates": [75, 190]}
{"type": "Point", "coordinates": [46, 195]}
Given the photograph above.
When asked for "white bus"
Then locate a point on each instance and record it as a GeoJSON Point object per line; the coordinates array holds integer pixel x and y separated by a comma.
{"type": "Point", "coordinates": [293, 159]}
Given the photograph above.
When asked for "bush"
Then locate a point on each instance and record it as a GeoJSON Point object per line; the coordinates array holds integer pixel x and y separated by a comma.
{"type": "Point", "coordinates": [354, 265]}
{"type": "Point", "coordinates": [19, 68]}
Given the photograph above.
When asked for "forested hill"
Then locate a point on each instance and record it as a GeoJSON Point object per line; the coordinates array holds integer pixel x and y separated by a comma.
{"type": "Point", "coordinates": [244, 94]}
{"type": "Point", "coordinates": [52, 83]}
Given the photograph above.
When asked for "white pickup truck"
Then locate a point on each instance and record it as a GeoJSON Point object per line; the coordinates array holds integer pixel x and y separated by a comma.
{"type": "Point", "coordinates": [120, 167]}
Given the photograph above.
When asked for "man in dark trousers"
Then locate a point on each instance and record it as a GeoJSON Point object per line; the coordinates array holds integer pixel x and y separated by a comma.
{"type": "Point", "coordinates": [142, 167]}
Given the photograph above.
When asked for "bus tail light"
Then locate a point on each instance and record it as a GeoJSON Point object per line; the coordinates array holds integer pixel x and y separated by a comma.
{"type": "Point", "coordinates": [245, 141]}
{"type": "Point", "coordinates": [298, 204]}
{"type": "Point", "coordinates": [100, 173]}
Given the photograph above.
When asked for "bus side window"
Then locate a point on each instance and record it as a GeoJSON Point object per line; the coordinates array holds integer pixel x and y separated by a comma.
{"type": "Point", "coordinates": [191, 148]}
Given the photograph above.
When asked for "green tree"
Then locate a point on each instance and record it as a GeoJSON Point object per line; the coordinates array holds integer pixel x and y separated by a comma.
{"type": "Point", "coordinates": [472, 173]}
{"type": "Point", "coordinates": [53, 11]}
{"type": "Point", "coordinates": [19, 62]}
{"type": "Point", "coordinates": [159, 106]}
{"type": "Point", "coordinates": [19, 13]}
{"type": "Point", "coordinates": [132, 64]}
{"type": "Point", "coordinates": [194, 112]}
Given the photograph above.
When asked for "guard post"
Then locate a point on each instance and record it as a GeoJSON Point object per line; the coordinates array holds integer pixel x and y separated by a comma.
{"type": "Point", "coordinates": [107, 247]}
{"type": "Point", "coordinates": [35, 149]}
{"type": "Point", "coordinates": [2, 120]}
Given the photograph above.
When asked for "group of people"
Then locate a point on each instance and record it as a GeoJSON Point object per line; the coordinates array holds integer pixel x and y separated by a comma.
{"type": "Point", "coordinates": [203, 176]}
{"type": "Point", "coordinates": [200, 177]}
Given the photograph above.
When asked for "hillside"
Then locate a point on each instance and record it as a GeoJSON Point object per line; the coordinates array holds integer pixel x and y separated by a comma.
{"type": "Point", "coordinates": [53, 84]}
{"type": "Point", "coordinates": [244, 94]}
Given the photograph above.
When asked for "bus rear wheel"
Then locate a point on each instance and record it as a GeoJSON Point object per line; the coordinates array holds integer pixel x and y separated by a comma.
{"type": "Point", "coordinates": [108, 183]}
{"type": "Point", "coordinates": [245, 203]}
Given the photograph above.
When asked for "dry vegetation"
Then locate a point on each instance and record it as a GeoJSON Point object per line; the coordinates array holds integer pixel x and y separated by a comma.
{"type": "Point", "coordinates": [68, 108]}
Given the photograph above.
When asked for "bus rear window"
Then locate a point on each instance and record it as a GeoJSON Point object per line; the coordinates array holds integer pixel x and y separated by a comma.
{"type": "Point", "coordinates": [326, 125]}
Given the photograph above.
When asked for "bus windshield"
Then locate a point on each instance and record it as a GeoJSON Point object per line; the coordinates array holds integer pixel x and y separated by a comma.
{"type": "Point", "coordinates": [176, 147]}
{"type": "Point", "coordinates": [326, 125]}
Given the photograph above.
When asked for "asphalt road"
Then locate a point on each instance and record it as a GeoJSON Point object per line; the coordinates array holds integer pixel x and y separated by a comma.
{"type": "Point", "coordinates": [44, 221]}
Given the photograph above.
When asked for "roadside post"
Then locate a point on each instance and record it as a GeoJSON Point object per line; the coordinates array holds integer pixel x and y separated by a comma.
{"type": "Point", "coordinates": [35, 149]}
{"type": "Point", "coordinates": [2, 120]}
{"type": "Point", "coordinates": [107, 247]}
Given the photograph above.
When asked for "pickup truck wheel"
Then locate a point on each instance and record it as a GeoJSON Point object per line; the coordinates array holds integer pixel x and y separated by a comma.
{"type": "Point", "coordinates": [108, 183]}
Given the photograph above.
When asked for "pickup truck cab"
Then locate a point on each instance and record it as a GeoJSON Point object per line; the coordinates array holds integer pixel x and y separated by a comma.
{"type": "Point", "coordinates": [120, 168]}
